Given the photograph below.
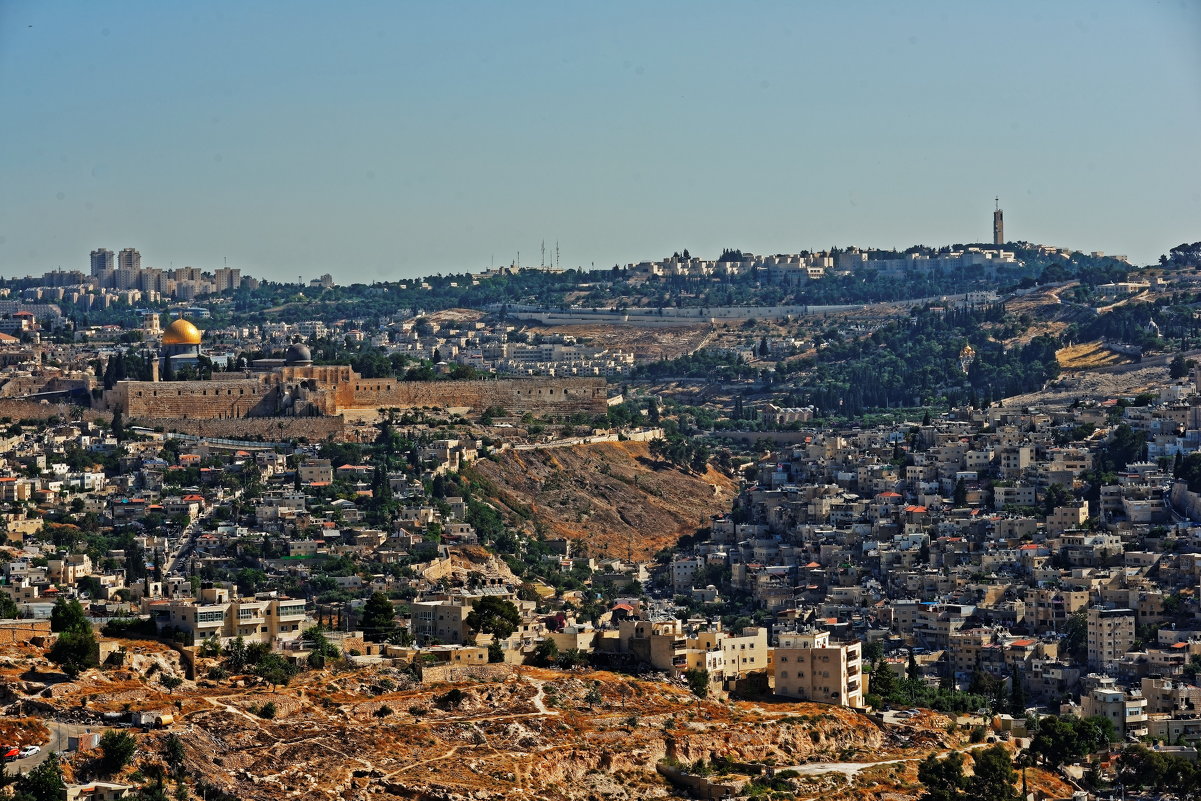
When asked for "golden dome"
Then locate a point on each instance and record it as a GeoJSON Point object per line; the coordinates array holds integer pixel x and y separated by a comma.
{"type": "Point", "coordinates": [181, 332]}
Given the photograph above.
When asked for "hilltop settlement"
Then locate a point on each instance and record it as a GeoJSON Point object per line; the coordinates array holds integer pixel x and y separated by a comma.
{"type": "Point", "coordinates": [844, 524]}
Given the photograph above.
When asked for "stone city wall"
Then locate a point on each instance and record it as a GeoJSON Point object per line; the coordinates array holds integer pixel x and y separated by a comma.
{"type": "Point", "coordinates": [263, 395]}
{"type": "Point", "coordinates": [21, 386]}
{"type": "Point", "coordinates": [235, 398]}
{"type": "Point", "coordinates": [33, 410]}
{"type": "Point", "coordinates": [562, 396]}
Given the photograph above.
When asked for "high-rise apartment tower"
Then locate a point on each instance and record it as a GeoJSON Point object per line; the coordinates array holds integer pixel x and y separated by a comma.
{"type": "Point", "coordinates": [129, 259]}
{"type": "Point", "coordinates": [102, 261]}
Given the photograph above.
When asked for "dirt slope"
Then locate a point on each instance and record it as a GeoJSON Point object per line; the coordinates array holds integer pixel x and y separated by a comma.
{"type": "Point", "coordinates": [1089, 355]}
{"type": "Point", "coordinates": [612, 495]}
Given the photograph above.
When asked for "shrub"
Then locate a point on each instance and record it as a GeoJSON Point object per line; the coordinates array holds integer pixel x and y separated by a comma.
{"type": "Point", "coordinates": [268, 710]}
{"type": "Point", "coordinates": [116, 750]}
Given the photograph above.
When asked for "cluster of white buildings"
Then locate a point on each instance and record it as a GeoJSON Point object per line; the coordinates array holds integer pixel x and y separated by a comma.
{"type": "Point", "coordinates": [791, 270]}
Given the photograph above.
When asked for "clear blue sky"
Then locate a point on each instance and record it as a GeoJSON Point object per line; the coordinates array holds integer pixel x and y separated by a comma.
{"type": "Point", "coordinates": [392, 139]}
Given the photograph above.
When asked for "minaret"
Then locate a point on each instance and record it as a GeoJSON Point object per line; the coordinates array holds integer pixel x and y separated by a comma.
{"type": "Point", "coordinates": [998, 225]}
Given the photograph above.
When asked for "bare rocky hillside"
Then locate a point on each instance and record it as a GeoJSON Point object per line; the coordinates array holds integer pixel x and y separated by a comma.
{"type": "Point", "coordinates": [614, 496]}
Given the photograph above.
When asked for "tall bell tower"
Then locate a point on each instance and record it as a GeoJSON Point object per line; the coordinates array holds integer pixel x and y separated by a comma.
{"type": "Point", "coordinates": [998, 225]}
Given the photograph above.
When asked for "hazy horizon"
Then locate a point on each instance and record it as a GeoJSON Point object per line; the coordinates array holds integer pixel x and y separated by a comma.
{"type": "Point", "coordinates": [377, 141]}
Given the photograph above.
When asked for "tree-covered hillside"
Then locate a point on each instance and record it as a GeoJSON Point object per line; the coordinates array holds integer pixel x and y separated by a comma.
{"type": "Point", "coordinates": [921, 360]}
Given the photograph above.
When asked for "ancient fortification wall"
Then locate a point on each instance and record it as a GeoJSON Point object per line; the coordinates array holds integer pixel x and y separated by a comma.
{"type": "Point", "coordinates": [241, 397]}
{"type": "Point", "coordinates": [560, 396]}
{"type": "Point", "coordinates": [330, 391]}
{"type": "Point", "coordinates": [33, 410]}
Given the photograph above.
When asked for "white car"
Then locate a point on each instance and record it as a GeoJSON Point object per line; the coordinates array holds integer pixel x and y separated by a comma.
{"type": "Point", "coordinates": [30, 750]}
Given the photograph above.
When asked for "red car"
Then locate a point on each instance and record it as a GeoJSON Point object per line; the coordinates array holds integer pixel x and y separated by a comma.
{"type": "Point", "coordinates": [10, 752]}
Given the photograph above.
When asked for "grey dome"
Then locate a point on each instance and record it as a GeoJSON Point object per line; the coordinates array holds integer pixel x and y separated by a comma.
{"type": "Point", "coordinates": [298, 354]}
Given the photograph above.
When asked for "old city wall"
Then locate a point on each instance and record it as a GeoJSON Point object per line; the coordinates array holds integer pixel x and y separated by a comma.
{"type": "Point", "coordinates": [330, 390]}
{"type": "Point", "coordinates": [560, 396]}
{"type": "Point", "coordinates": [205, 400]}
{"type": "Point", "coordinates": [30, 385]}
{"type": "Point", "coordinates": [34, 410]}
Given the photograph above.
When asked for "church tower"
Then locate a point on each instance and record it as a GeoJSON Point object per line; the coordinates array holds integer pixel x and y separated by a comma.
{"type": "Point", "coordinates": [998, 225]}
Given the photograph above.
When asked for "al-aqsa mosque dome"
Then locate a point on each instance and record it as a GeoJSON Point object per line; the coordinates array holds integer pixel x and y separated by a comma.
{"type": "Point", "coordinates": [298, 355]}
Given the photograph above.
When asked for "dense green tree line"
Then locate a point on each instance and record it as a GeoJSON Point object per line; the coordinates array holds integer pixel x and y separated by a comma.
{"type": "Point", "coordinates": [918, 362]}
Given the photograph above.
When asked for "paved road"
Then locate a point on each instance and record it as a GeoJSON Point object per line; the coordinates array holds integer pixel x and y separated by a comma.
{"type": "Point", "coordinates": [59, 736]}
{"type": "Point", "coordinates": [187, 537]}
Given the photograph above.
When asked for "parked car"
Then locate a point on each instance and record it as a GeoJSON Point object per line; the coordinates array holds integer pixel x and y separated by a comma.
{"type": "Point", "coordinates": [30, 750]}
{"type": "Point", "coordinates": [9, 752]}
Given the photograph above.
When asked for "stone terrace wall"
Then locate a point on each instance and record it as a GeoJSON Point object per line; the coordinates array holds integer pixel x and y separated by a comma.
{"type": "Point", "coordinates": [22, 630]}
{"type": "Point", "coordinates": [271, 429]}
{"type": "Point", "coordinates": [432, 674]}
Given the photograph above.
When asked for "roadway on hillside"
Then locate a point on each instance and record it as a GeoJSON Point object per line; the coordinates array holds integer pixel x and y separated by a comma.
{"type": "Point", "coordinates": [1103, 382]}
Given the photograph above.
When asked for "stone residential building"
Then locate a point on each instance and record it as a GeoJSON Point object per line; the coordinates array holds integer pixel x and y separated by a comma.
{"type": "Point", "coordinates": [266, 618]}
{"type": "Point", "coordinates": [1110, 635]}
{"type": "Point", "coordinates": [808, 666]}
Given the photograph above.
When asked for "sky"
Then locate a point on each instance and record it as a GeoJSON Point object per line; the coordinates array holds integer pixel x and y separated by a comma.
{"type": "Point", "coordinates": [385, 140]}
